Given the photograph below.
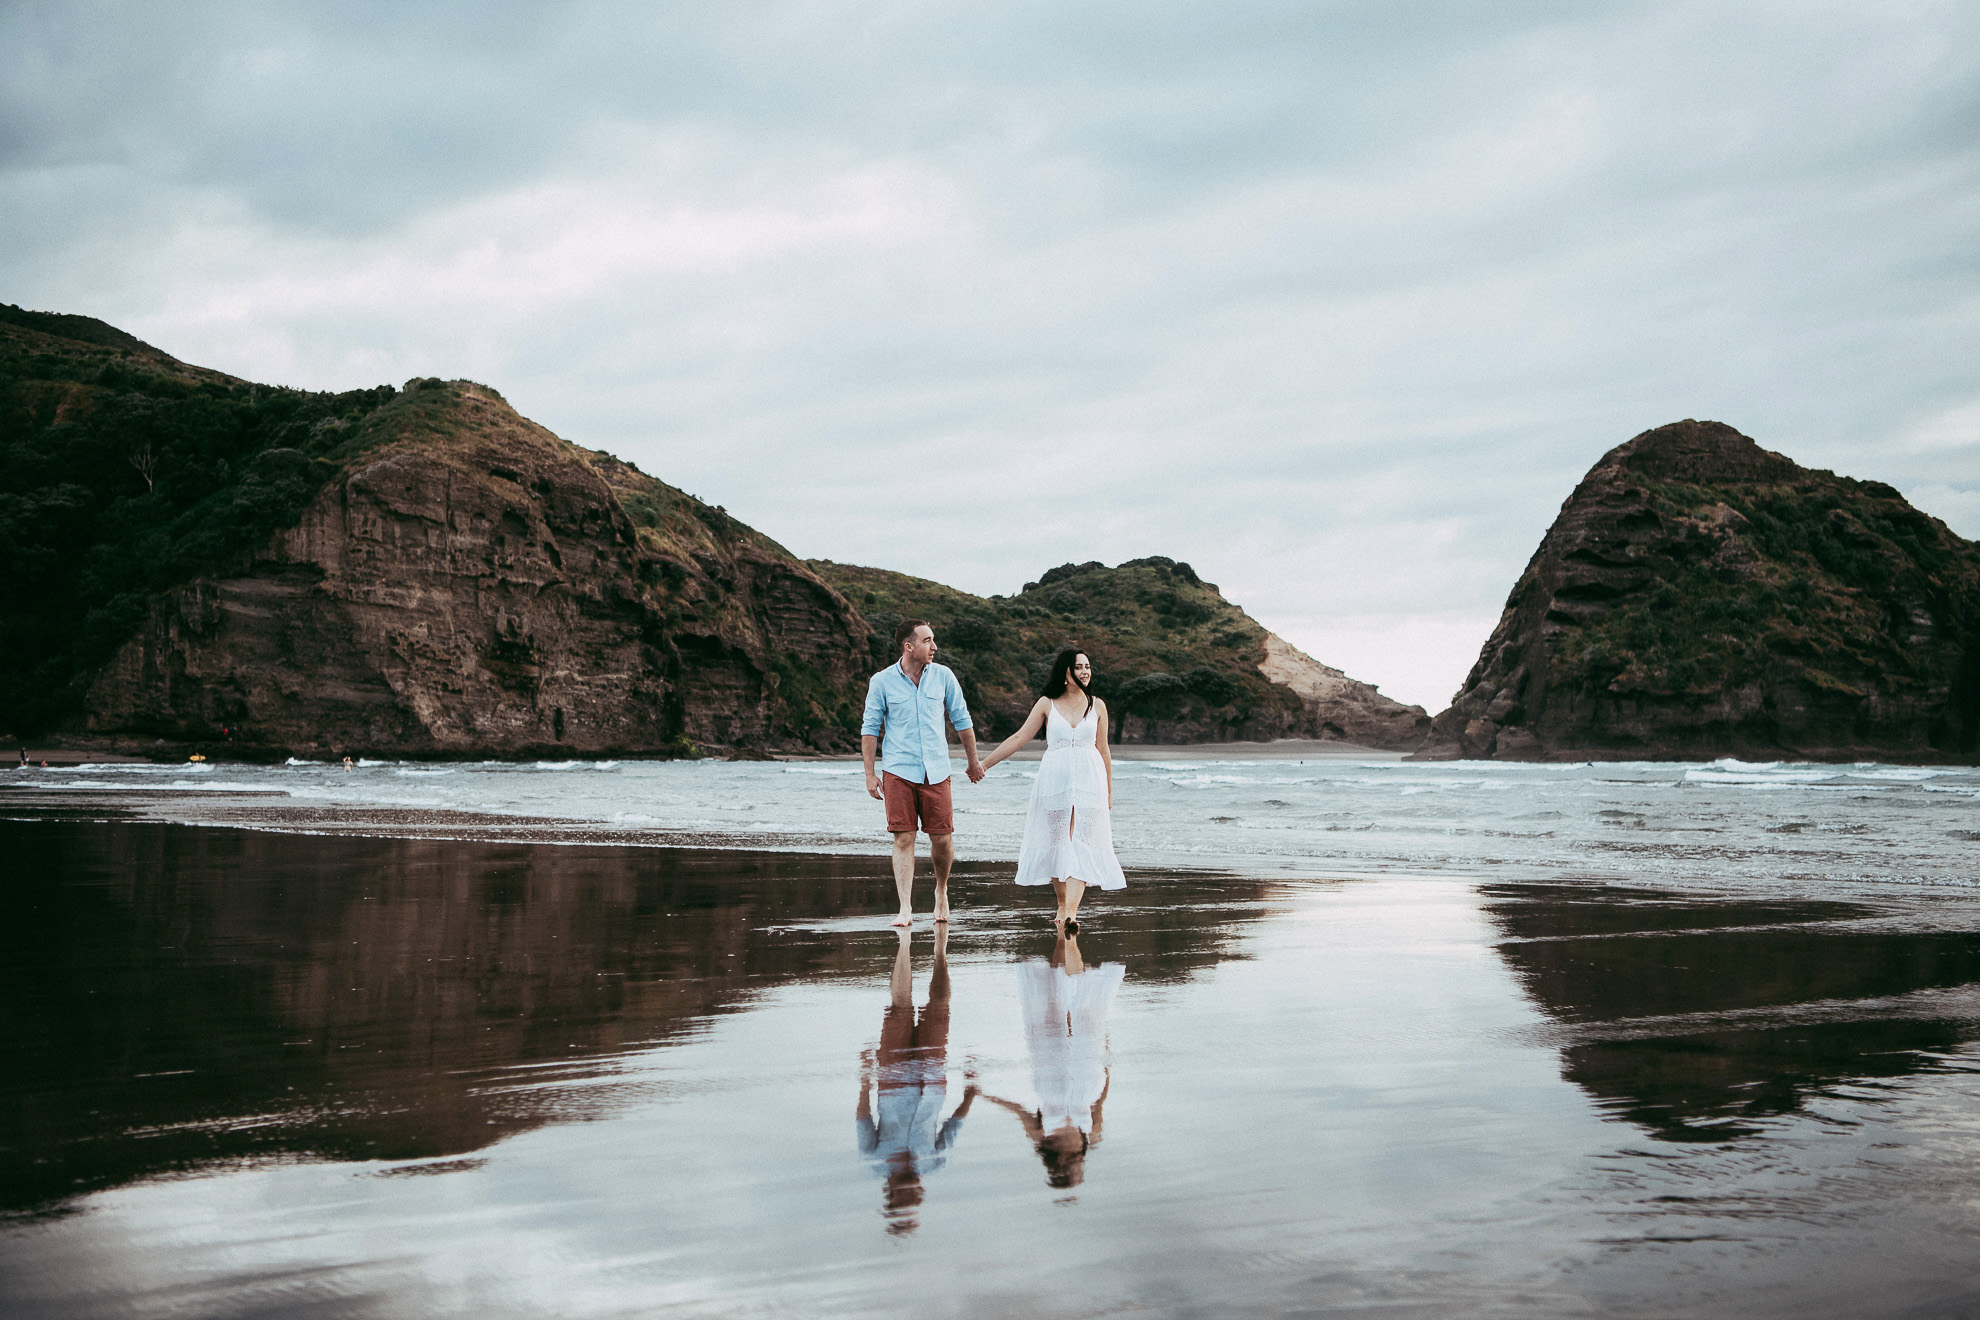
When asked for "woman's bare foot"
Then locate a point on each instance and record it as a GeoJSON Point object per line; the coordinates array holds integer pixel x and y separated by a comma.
{"type": "Point", "coordinates": [905, 919]}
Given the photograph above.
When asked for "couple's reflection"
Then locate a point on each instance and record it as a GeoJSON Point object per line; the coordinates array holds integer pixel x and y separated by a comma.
{"type": "Point", "coordinates": [902, 1131]}
{"type": "Point", "coordinates": [904, 1084]}
{"type": "Point", "coordinates": [1065, 1003]}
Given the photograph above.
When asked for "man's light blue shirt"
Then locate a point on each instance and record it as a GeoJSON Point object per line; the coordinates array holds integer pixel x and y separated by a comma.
{"type": "Point", "coordinates": [908, 720]}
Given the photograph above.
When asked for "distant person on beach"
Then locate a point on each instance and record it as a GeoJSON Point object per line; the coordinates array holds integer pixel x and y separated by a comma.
{"type": "Point", "coordinates": [905, 706]}
{"type": "Point", "coordinates": [901, 1130]}
{"type": "Point", "coordinates": [1065, 1005]}
{"type": "Point", "coordinates": [1068, 832]}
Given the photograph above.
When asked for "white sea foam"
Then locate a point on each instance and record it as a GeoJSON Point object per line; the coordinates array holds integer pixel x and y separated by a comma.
{"type": "Point", "coordinates": [144, 768]}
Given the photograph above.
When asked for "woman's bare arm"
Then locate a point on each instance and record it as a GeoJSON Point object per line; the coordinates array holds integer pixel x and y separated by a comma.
{"type": "Point", "coordinates": [1032, 1127]}
{"type": "Point", "coordinates": [1026, 732]}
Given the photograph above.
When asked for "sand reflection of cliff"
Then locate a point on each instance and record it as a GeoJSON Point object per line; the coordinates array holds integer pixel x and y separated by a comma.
{"type": "Point", "coordinates": [175, 997]}
{"type": "Point", "coordinates": [1692, 1018]}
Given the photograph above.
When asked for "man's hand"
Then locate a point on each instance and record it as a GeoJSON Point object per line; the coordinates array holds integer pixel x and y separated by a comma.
{"type": "Point", "coordinates": [976, 771]}
{"type": "Point", "coordinates": [873, 786]}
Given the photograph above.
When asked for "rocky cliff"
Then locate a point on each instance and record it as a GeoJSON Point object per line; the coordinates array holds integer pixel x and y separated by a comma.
{"type": "Point", "coordinates": [404, 572]}
{"type": "Point", "coordinates": [197, 559]}
{"type": "Point", "coordinates": [1700, 596]}
{"type": "Point", "coordinates": [476, 583]}
{"type": "Point", "coordinates": [1175, 661]}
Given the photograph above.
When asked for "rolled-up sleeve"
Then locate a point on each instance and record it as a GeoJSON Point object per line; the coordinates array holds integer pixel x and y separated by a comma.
{"type": "Point", "coordinates": [958, 710]}
{"type": "Point", "coordinates": [875, 718]}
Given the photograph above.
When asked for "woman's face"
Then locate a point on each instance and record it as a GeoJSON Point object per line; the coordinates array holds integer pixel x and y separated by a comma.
{"type": "Point", "coordinates": [1083, 670]}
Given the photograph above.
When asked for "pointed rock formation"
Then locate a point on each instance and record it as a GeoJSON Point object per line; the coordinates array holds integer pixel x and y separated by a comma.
{"type": "Point", "coordinates": [1700, 596]}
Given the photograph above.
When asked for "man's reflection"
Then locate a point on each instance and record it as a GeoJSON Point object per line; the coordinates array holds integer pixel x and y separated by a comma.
{"type": "Point", "coordinates": [1065, 1004]}
{"type": "Point", "coordinates": [909, 1137]}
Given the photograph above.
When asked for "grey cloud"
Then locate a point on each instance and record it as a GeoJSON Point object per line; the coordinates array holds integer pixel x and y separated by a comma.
{"type": "Point", "coordinates": [1336, 300]}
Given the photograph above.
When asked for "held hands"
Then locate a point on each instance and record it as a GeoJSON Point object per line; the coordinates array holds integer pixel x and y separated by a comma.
{"type": "Point", "coordinates": [976, 771]}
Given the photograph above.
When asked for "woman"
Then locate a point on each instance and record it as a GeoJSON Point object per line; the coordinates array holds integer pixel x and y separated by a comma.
{"type": "Point", "coordinates": [1068, 837]}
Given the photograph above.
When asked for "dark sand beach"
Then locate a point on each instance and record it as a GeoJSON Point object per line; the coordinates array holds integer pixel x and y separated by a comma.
{"type": "Point", "coordinates": [254, 1073]}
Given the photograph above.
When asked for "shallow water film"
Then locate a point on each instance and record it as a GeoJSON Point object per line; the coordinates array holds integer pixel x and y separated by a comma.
{"type": "Point", "coordinates": [252, 1073]}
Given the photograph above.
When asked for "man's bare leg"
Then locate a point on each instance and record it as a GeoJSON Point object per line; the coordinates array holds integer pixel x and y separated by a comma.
{"type": "Point", "coordinates": [942, 849]}
{"type": "Point", "coordinates": [904, 876]}
{"type": "Point", "coordinates": [900, 982]}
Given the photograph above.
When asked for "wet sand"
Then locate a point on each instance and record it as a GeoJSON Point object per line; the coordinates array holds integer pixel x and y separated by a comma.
{"type": "Point", "coordinates": [256, 1073]}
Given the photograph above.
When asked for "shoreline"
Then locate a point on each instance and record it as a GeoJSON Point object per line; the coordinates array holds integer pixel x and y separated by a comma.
{"type": "Point", "coordinates": [426, 825]}
{"type": "Point", "coordinates": [217, 755]}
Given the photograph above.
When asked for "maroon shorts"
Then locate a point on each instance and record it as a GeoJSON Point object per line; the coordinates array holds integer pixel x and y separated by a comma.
{"type": "Point", "coordinates": [929, 802]}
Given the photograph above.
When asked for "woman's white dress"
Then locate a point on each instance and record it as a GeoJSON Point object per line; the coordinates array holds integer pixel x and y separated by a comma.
{"type": "Point", "coordinates": [1067, 833]}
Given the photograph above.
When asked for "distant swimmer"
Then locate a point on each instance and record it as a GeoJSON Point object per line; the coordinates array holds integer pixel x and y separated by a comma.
{"type": "Point", "coordinates": [349, 764]}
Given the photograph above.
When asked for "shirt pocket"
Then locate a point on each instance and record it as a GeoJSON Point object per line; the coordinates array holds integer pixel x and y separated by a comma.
{"type": "Point", "coordinates": [900, 710]}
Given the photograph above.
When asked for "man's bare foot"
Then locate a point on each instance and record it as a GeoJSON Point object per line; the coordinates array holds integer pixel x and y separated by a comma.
{"type": "Point", "coordinates": [905, 919]}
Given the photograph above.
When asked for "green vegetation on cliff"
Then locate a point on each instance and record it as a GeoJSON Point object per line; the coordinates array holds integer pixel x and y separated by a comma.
{"type": "Point", "coordinates": [124, 472]}
{"type": "Point", "coordinates": [1701, 596]}
{"type": "Point", "coordinates": [1809, 599]}
{"type": "Point", "coordinates": [1173, 659]}
{"type": "Point", "coordinates": [694, 551]}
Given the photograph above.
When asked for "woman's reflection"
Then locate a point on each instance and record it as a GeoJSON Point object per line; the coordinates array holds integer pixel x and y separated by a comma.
{"type": "Point", "coordinates": [1065, 1006]}
{"type": "Point", "coordinates": [909, 1138]}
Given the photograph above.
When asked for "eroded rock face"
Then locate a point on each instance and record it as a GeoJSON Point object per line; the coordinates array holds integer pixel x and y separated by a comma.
{"type": "Point", "coordinates": [475, 586]}
{"type": "Point", "coordinates": [1700, 596]}
{"type": "Point", "coordinates": [1341, 707]}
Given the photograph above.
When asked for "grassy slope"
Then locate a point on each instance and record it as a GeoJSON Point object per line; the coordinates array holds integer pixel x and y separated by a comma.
{"type": "Point", "coordinates": [1164, 644]}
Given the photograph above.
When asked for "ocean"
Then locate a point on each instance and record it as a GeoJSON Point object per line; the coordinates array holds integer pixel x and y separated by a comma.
{"type": "Point", "coordinates": [1773, 826]}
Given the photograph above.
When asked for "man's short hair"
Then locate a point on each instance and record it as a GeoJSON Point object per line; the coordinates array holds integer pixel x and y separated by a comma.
{"type": "Point", "coordinates": [906, 630]}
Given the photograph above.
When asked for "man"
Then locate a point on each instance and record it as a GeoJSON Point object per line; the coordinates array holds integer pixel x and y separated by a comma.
{"type": "Point", "coordinates": [905, 703]}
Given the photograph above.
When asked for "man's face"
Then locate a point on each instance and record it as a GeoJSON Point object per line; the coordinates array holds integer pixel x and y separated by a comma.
{"type": "Point", "coordinates": [920, 648]}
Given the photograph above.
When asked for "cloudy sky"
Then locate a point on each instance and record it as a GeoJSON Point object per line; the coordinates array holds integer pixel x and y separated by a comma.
{"type": "Point", "coordinates": [1334, 300]}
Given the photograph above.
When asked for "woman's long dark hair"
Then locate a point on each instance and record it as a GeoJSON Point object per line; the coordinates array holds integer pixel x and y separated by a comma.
{"type": "Point", "coordinates": [1062, 673]}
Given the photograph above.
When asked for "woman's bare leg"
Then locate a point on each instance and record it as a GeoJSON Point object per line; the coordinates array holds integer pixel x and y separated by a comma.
{"type": "Point", "coordinates": [1069, 889]}
{"type": "Point", "coordinates": [1074, 889]}
{"type": "Point", "coordinates": [1059, 892]}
